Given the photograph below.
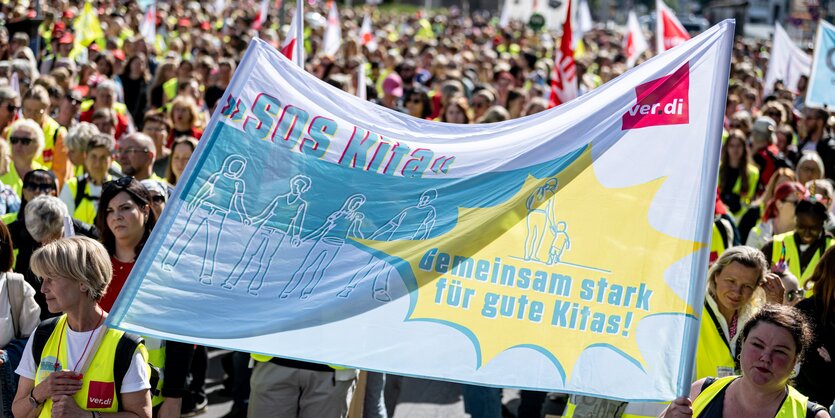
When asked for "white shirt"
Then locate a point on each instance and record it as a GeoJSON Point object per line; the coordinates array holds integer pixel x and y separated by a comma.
{"type": "Point", "coordinates": [135, 379]}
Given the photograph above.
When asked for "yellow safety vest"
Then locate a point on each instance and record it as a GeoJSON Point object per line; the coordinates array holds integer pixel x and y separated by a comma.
{"type": "Point", "coordinates": [14, 181]}
{"type": "Point", "coordinates": [713, 351]}
{"type": "Point", "coordinates": [717, 242]}
{"type": "Point", "coordinates": [746, 196]}
{"type": "Point", "coordinates": [98, 389]}
{"type": "Point", "coordinates": [169, 89]}
{"type": "Point", "coordinates": [119, 108]}
{"type": "Point", "coordinates": [156, 357]}
{"type": "Point", "coordinates": [793, 257]}
{"type": "Point", "coordinates": [793, 407]}
{"type": "Point", "coordinates": [86, 208]}
{"type": "Point", "coordinates": [51, 130]}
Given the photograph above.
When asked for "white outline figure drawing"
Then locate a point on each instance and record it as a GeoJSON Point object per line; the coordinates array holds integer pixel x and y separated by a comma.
{"type": "Point", "coordinates": [540, 219]}
{"type": "Point", "coordinates": [412, 223]}
{"type": "Point", "coordinates": [268, 237]}
{"type": "Point", "coordinates": [222, 194]}
{"type": "Point", "coordinates": [559, 244]}
{"type": "Point", "coordinates": [330, 237]}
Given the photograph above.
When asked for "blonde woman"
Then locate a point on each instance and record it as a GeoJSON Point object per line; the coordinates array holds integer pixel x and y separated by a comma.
{"type": "Point", "coordinates": [739, 282]}
{"type": "Point", "coordinates": [26, 139]}
{"type": "Point", "coordinates": [186, 119]}
{"type": "Point", "coordinates": [75, 272]}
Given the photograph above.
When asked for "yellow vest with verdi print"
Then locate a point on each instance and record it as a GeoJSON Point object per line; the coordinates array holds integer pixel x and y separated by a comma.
{"type": "Point", "coordinates": [261, 358]}
{"type": "Point", "coordinates": [98, 389]}
{"type": "Point", "coordinates": [793, 257]}
{"type": "Point", "coordinates": [794, 406]}
{"type": "Point", "coordinates": [713, 351]}
{"type": "Point", "coordinates": [51, 130]}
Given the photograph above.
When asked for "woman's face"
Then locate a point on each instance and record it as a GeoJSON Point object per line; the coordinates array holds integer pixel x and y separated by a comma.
{"type": "Point", "coordinates": [808, 228]}
{"type": "Point", "coordinates": [736, 149]}
{"type": "Point", "coordinates": [24, 144]}
{"type": "Point", "coordinates": [181, 116]}
{"type": "Point", "coordinates": [61, 293]}
{"type": "Point", "coordinates": [785, 211]}
{"type": "Point", "coordinates": [768, 355]}
{"type": "Point", "coordinates": [34, 109]}
{"type": "Point", "coordinates": [808, 171]}
{"type": "Point", "coordinates": [125, 218]}
{"type": "Point", "coordinates": [179, 158]}
{"type": "Point", "coordinates": [454, 114]}
{"type": "Point", "coordinates": [137, 66]}
{"type": "Point", "coordinates": [97, 162]}
{"type": "Point", "coordinates": [415, 105]}
{"type": "Point", "coordinates": [735, 285]}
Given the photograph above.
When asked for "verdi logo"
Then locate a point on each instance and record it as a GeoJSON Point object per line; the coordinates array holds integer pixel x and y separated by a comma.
{"type": "Point", "coordinates": [664, 101]}
{"type": "Point", "coordinates": [100, 395]}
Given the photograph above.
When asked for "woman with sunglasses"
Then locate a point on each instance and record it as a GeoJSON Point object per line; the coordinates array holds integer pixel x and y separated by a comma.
{"type": "Point", "coordinates": [817, 370]}
{"type": "Point", "coordinates": [9, 104]}
{"type": "Point", "coordinates": [778, 217]}
{"type": "Point", "coordinates": [800, 250]}
{"type": "Point", "coordinates": [26, 139]}
{"type": "Point", "coordinates": [125, 219]}
{"type": "Point", "coordinates": [36, 183]}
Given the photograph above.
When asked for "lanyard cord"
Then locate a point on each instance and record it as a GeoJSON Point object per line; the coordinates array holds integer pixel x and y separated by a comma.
{"type": "Point", "coordinates": [61, 337]}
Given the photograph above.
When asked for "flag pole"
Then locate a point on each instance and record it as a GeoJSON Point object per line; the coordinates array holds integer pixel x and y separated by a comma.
{"type": "Point", "coordinates": [300, 34]}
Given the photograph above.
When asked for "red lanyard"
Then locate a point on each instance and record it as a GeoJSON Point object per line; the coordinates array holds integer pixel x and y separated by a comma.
{"type": "Point", "coordinates": [61, 337]}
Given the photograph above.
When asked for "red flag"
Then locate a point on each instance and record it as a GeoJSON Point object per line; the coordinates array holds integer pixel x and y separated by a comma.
{"type": "Point", "coordinates": [564, 78]}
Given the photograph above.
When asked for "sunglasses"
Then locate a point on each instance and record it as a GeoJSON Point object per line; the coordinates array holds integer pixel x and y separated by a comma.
{"type": "Point", "coordinates": [158, 199]}
{"type": "Point", "coordinates": [12, 108]}
{"type": "Point", "coordinates": [20, 139]}
{"type": "Point", "coordinates": [120, 183]}
{"type": "Point", "coordinates": [39, 187]}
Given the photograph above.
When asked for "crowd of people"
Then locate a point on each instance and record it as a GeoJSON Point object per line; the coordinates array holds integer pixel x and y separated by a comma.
{"type": "Point", "coordinates": [96, 130]}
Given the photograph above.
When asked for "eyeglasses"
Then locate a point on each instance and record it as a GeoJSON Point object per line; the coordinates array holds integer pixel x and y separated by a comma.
{"type": "Point", "coordinates": [20, 139]}
{"type": "Point", "coordinates": [39, 187]}
{"type": "Point", "coordinates": [125, 151]}
{"type": "Point", "coordinates": [793, 295]}
{"type": "Point", "coordinates": [415, 100]}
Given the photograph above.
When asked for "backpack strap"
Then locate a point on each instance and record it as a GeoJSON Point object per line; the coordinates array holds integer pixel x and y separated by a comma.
{"type": "Point", "coordinates": [80, 190]}
{"type": "Point", "coordinates": [812, 409]}
{"type": "Point", "coordinates": [124, 355]}
{"type": "Point", "coordinates": [708, 381]}
{"type": "Point", "coordinates": [40, 337]}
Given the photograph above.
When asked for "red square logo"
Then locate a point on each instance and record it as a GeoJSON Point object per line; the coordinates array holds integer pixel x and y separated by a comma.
{"type": "Point", "coordinates": [100, 395]}
{"type": "Point", "coordinates": [664, 101]}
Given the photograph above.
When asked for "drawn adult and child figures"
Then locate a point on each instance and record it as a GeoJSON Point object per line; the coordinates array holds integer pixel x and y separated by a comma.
{"type": "Point", "coordinates": [222, 196]}
{"type": "Point", "coordinates": [541, 218]}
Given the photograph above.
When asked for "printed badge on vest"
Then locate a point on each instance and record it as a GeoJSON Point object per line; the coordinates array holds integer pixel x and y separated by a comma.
{"type": "Point", "coordinates": [100, 395]}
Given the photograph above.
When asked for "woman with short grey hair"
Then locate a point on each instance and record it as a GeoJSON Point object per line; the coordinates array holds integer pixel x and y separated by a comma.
{"type": "Point", "coordinates": [45, 218]}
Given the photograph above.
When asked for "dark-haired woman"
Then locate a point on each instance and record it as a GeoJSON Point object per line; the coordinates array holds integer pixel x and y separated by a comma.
{"type": "Point", "coordinates": [773, 343]}
{"type": "Point", "coordinates": [801, 249]}
{"type": "Point", "coordinates": [125, 219]}
{"type": "Point", "coordinates": [418, 103]}
{"type": "Point", "coordinates": [818, 369]}
{"type": "Point", "coordinates": [738, 177]}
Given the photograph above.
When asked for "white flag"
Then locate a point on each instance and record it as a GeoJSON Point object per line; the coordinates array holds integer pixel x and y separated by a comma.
{"type": "Point", "coordinates": [669, 31]}
{"type": "Point", "coordinates": [584, 22]}
{"type": "Point", "coordinates": [787, 62]}
{"type": "Point", "coordinates": [635, 41]}
{"type": "Point", "coordinates": [333, 32]}
{"type": "Point", "coordinates": [148, 28]}
{"type": "Point", "coordinates": [293, 45]}
{"type": "Point", "coordinates": [362, 90]}
{"type": "Point", "coordinates": [367, 38]}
